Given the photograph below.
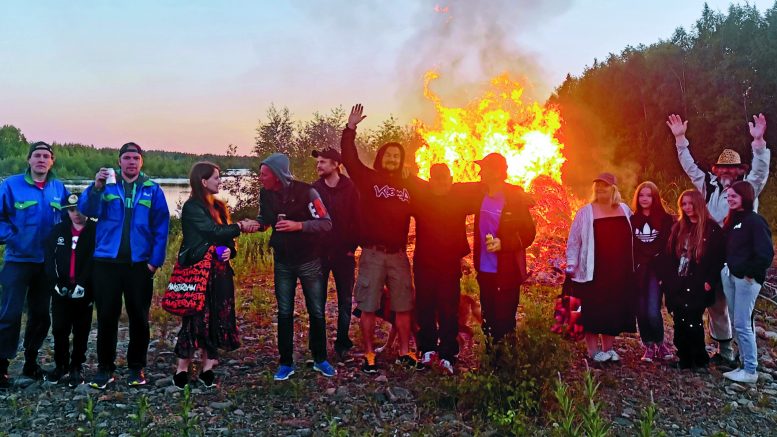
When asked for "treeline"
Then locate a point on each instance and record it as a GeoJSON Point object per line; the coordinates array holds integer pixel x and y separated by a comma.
{"type": "Point", "coordinates": [717, 75]}
{"type": "Point", "coordinates": [77, 161]}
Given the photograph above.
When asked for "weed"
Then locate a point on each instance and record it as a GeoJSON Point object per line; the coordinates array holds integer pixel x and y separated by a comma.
{"type": "Point", "coordinates": [594, 425]}
{"type": "Point", "coordinates": [91, 420]}
{"type": "Point", "coordinates": [190, 425]}
{"type": "Point", "coordinates": [566, 420]}
{"type": "Point", "coordinates": [141, 418]}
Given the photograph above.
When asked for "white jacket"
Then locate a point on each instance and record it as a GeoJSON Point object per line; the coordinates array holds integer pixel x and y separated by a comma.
{"type": "Point", "coordinates": [709, 186]}
{"type": "Point", "coordinates": [580, 245]}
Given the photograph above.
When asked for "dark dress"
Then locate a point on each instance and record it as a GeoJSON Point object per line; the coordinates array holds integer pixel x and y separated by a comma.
{"type": "Point", "coordinates": [215, 328]}
{"type": "Point", "coordinates": [608, 301]}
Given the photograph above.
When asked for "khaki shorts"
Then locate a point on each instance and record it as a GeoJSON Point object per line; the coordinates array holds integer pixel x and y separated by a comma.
{"type": "Point", "coordinates": [377, 269]}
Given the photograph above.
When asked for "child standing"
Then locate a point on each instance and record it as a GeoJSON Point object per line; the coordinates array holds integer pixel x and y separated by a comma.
{"type": "Point", "coordinates": [69, 252]}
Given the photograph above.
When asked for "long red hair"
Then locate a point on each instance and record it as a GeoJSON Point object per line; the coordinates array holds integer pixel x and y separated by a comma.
{"type": "Point", "coordinates": [201, 171]}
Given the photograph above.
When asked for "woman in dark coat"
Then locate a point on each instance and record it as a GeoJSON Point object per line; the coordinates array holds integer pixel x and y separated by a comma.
{"type": "Point", "coordinates": [206, 227]}
{"type": "Point", "coordinates": [694, 258]}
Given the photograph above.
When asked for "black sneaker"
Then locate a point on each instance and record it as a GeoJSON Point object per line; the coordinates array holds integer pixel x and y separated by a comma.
{"type": "Point", "coordinates": [369, 363]}
{"type": "Point", "coordinates": [56, 375]}
{"type": "Point", "coordinates": [136, 377]}
{"type": "Point", "coordinates": [102, 379]}
{"type": "Point", "coordinates": [33, 371]}
{"type": "Point", "coordinates": [75, 378]}
{"type": "Point", "coordinates": [410, 361]}
{"type": "Point", "coordinates": [207, 378]}
{"type": "Point", "coordinates": [181, 379]}
{"type": "Point", "coordinates": [719, 360]}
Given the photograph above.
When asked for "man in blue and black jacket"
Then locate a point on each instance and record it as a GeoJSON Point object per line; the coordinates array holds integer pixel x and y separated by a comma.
{"type": "Point", "coordinates": [131, 240]}
{"type": "Point", "coordinates": [30, 206]}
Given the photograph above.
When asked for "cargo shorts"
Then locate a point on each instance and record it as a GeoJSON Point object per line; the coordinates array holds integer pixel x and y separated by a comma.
{"type": "Point", "coordinates": [378, 268]}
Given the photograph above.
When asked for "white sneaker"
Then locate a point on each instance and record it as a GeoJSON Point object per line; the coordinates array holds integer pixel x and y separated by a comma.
{"type": "Point", "coordinates": [380, 349]}
{"type": "Point", "coordinates": [446, 366]}
{"type": "Point", "coordinates": [601, 357]}
{"type": "Point", "coordinates": [428, 357]}
{"type": "Point", "coordinates": [742, 375]}
{"type": "Point", "coordinates": [613, 355]}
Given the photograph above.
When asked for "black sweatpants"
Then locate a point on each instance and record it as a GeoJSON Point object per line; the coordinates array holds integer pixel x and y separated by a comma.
{"type": "Point", "coordinates": [437, 308]}
{"type": "Point", "coordinates": [70, 316]}
{"type": "Point", "coordinates": [135, 283]}
{"type": "Point", "coordinates": [499, 305]}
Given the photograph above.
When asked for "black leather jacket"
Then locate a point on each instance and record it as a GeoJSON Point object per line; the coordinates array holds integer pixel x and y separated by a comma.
{"type": "Point", "coordinates": [200, 231]}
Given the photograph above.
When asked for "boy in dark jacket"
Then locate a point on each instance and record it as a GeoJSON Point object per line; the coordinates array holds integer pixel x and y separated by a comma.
{"type": "Point", "coordinates": [69, 251]}
{"type": "Point", "coordinates": [338, 246]}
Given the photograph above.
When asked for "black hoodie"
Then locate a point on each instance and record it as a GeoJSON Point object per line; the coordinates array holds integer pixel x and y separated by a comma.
{"type": "Point", "coordinates": [342, 202]}
{"type": "Point", "coordinates": [749, 250]}
{"type": "Point", "coordinates": [384, 196]}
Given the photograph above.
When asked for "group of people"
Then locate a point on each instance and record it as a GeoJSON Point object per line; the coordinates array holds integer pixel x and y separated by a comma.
{"type": "Point", "coordinates": [105, 251]}
{"type": "Point", "coordinates": [623, 259]}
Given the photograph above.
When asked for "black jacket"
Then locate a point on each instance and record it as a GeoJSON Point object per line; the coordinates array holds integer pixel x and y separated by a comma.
{"type": "Point", "coordinates": [342, 203]}
{"type": "Point", "coordinates": [301, 203]}
{"type": "Point", "coordinates": [58, 251]}
{"type": "Point", "coordinates": [749, 250]}
{"type": "Point", "coordinates": [688, 291]}
{"type": "Point", "coordinates": [384, 197]}
{"type": "Point", "coordinates": [200, 231]}
{"type": "Point", "coordinates": [441, 227]}
{"type": "Point", "coordinates": [516, 233]}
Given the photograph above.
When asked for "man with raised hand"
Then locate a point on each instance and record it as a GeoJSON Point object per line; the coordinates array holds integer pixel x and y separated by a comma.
{"type": "Point", "coordinates": [131, 241]}
{"type": "Point", "coordinates": [338, 246]}
{"type": "Point", "coordinates": [385, 197]}
{"type": "Point", "coordinates": [713, 185]}
{"type": "Point", "coordinates": [30, 206]}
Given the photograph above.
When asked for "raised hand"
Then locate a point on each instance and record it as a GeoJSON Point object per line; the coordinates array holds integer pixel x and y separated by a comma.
{"type": "Point", "coordinates": [356, 117]}
{"type": "Point", "coordinates": [758, 127]}
{"type": "Point", "coordinates": [677, 125]}
{"type": "Point", "coordinates": [100, 178]}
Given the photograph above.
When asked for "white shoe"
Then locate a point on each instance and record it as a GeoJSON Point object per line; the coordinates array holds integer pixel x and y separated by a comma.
{"type": "Point", "coordinates": [446, 366]}
{"type": "Point", "coordinates": [741, 375]}
{"type": "Point", "coordinates": [601, 357]}
{"type": "Point", "coordinates": [613, 355]}
{"type": "Point", "coordinates": [428, 357]}
{"type": "Point", "coordinates": [380, 349]}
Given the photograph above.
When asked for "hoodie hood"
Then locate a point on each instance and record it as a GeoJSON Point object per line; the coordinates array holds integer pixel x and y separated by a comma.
{"type": "Point", "coordinates": [378, 163]}
{"type": "Point", "coordinates": [279, 164]}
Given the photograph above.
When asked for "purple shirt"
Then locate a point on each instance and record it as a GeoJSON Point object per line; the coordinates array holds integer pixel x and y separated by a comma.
{"type": "Point", "coordinates": [490, 213]}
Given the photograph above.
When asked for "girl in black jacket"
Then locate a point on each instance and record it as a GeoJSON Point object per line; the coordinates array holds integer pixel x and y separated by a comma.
{"type": "Point", "coordinates": [695, 257]}
{"type": "Point", "coordinates": [749, 252]}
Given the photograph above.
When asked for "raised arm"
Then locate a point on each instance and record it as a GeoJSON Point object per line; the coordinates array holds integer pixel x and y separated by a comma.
{"type": "Point", "coordinates": [697, 175]}
{"type": "Point", "coordinates": [761, 155]}
{"type": "Point", "coordinates": [356, 169]}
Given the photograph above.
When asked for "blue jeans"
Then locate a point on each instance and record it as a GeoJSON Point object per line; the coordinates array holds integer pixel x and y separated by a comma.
{"type": "Point", "coordinates": [740, 297]}
{"type": "Point", "coordinates": [17, 280]}
{"type": "Point", "coordinates": [651, 323]}
{"type": "Point", "coordinates": [314, 290]}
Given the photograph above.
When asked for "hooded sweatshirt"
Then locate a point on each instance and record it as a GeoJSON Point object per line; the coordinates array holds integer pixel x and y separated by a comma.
{"type": "Point", "coordinates": [342, 202]}
{"type": "Point", "coordinates": [301, 203]}
{"type": "Point", "coordinates": [385, 196]}
{"type": "Point", "coordinates": [749, 250]}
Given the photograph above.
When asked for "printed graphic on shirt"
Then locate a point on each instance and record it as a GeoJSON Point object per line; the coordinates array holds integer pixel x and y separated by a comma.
{"type": "Point", "coordinates": [388, 191]}
{"type": "Point", "coordinates": [60, 241]}
{"type": "Point", "coordinates": [317, 209]}
{"type": "Point", "coordinates": [75, 242]}
{"type": "Point", "coordinates": [646, 234]}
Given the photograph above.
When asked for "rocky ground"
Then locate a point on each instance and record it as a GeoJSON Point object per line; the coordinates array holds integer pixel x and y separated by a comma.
{"type": "Point", "coordinates": [395, 402]}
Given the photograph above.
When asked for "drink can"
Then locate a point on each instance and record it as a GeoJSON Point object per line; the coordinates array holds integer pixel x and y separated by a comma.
{"type": "Point", "coordinates": [281, 217]}
{"type": "Point", "coordinates": [111, 176]}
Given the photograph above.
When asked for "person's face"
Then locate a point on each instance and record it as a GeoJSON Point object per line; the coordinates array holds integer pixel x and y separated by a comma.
{"type": "Point", "coordinates": [728, 174]}
{"type": "Point", "coordinates": [603, 191]}
{"type": "Point", "coordinates": [440, 182]}
{"type": "Point", "coordinates": [734, 200]}
{"type": "Point", "coordinates": [41, 161]}
{"type": "Point", "coordinates": [490, 175]}
{"type": "Point", "coordinates": [130, 164]}
{"type": "Point", "coordinates": [687, 206]}
{"type": "Point", "coordinates": [268, 179]}
{"type": "Point", "coordinates": [325, 166]}
{"type": "Point", "coordinates": [645, 198]}
{"type": "Point", "coordinates": [213, 183]}
{"type": "Point", "coordinates": [75, 216]}
{"type": "Point", "coordinates": [392, 158]}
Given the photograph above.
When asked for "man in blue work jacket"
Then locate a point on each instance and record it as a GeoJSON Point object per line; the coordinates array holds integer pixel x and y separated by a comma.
{"type": "Point", "coordinates": [30, 206]}
{"type": "Point", "coordinates": [131, 240]}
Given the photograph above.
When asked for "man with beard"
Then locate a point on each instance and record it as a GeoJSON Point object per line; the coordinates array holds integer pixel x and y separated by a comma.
{"type": "Point", "coordinates": [385, 197]}
{"type": "Point", "coordinates": [30, 205]}
{"type": "Point", "coordinates": [338, 246]}
{"type": "Point", "coordinates": [713, 186]}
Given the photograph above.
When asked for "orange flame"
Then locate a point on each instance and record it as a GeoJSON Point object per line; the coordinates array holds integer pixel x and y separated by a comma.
{"type": "Point", "coordinates": [497, 122]}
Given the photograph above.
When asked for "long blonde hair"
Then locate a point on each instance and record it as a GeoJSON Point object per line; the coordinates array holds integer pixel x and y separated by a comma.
{"type": "Point", "coordinates": [684, 230]}
{"type": "Point", "coordinates": [615, 197]}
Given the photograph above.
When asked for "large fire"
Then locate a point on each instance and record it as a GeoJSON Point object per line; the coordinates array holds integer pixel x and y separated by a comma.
{"type": "Point", "coordinates": [524, 134]}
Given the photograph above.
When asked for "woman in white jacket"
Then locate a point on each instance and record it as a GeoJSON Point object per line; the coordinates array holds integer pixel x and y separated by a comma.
{"type": "Point", "coordinates": [600, 262]}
